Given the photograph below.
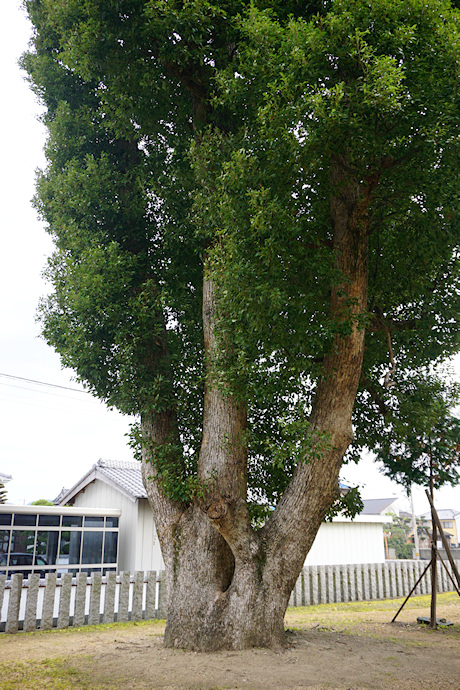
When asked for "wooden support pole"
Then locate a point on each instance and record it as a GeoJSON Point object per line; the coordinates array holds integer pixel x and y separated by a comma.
{"type": "Point", "coordinates": [445, 566]}
{"type": "Point", "coordinates": [445, 543]}
{"type": "Point", "coordinates": [434, 574]}
{"type": "Point", "coordinates": [410, 593]}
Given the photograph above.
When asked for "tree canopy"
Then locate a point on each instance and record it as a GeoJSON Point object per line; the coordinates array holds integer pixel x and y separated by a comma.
{"type": "Point", "coordinates": [133, 197]}
{"type": "Point", "coordinates": [255, 214]}
{"type": "Point", "coordinates": [422, 441]}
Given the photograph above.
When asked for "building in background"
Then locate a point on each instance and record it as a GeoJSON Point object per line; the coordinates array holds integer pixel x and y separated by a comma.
{"type": "Point", "coordinates": [114, 484]}
{"type": "Point", "coordinates": [381, 506]}
{"type": "Point", "coordinates": [117, 484]}
{"type": "Point", "coordinates": [450, 523]}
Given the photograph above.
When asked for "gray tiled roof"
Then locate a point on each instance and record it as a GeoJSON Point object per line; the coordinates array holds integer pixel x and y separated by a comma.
{"type": "Point", "coordinates": [376, 506]}
{"type": "Point", "coordinates": [127, 475]}
{"type": "Point", "coordinates": [123, 475]}
{"type": "Point", "coordinates": [443, 514]}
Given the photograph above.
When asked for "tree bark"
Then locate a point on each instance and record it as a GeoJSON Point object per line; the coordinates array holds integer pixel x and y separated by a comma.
{"type": "Point", "coordinates": [228, 585]}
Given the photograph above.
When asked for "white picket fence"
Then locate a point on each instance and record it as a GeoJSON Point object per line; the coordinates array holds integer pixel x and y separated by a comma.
{"type": "Point", "coordinates": [44, 603]}
{"type": "Point", "coordinates": [65, 601]}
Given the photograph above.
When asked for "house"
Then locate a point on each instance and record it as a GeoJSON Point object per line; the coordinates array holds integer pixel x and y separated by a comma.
{"type": "Point", "coordinates": [450, 523]}
{"type": "Point", "coordinates": [114, 484]}
{"type": "Point", "coordinates": [118, 484]}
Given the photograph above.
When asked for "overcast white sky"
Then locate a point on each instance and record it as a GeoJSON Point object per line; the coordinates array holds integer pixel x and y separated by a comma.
{"type": "Point", "coordinates": [50, 437]}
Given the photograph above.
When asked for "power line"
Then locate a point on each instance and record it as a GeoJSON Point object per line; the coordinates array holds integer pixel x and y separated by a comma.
{"type": "Point", "coordinates": [43, 383]}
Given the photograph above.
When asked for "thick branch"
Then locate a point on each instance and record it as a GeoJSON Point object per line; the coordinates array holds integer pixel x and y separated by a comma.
{"type": "Point", "coordinates": [160, 430]}
{"type": "Point", "coordinates": [315, 482]}
{"type": "Point", "coordinates": [160, 439]}
{"type": "Point", "coordinates": [377, 324]}
{"type": "Point", "coordinates": [222, 463]}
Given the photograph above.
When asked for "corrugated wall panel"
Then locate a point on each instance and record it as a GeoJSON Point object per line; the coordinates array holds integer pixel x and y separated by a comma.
{"type": "Point", "coordinates": [347, 543]}
{"type": "Point", "coordinates": [148, 552]}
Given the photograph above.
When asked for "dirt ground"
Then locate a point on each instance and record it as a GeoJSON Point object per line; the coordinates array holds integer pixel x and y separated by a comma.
{"type": "Point", "coordinates": [333, 646]}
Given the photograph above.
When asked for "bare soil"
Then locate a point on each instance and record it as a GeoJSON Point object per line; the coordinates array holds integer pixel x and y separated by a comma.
{"type": "Point", "coordinates": [333, 646]}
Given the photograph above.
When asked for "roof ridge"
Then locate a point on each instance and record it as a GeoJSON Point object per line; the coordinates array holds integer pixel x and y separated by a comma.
{"type": "Point", "coordinates": [118, 464]}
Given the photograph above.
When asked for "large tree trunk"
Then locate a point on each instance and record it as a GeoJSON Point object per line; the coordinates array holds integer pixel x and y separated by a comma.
{"type": "Point", "coordinates": [216, 601]}
{"type": "Point", "coordinates": [228, 585]}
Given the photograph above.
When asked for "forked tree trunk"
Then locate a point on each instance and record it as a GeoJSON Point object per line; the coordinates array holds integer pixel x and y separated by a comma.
{"type": "Point", "coordinates": [228, 585]}
{"type": "Point", "coordinates": [215, 602]}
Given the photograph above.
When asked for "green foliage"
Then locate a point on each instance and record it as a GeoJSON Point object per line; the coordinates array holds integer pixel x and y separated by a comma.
{"type": "Point", "coordinates": [175, 477]}
{"type": "Point", "coordinates": [314, 91]}
{"type": "Point", "coordinates": [3, 493]}
{"type": "Point", "coordinates": [398, 536]}
{"type": "Point", "coordinates": [422, 434]}
{"type": "Point", "coordinates": [184, 131]}
{"type": "Point", "coordinates": [42, 502]}
{"type": "Point", "coordinates": [349, 503]}
{"type": "Point", "coordinates": [310, 92]}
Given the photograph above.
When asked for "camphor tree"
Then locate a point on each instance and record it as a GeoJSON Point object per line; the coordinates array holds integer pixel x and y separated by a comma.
{"type": "Point", "coordinates": [250, 203]}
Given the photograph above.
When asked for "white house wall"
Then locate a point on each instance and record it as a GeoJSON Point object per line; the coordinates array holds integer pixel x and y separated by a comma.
{"type": "Point", "coordinates": [98, 494]}
{"type": "Point", "coordinates": [148, 552]}
{"type": "Point", "coordinates": [346, 543]}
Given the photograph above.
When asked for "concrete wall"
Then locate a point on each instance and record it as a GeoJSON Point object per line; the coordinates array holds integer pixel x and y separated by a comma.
{"type": "Point", "coordinates": [425, 554]}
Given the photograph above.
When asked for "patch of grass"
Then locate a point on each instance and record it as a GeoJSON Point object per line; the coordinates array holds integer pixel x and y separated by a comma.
{"type": "Point", "coordinates": [375, 605]}
{"type": "Point", "coordinates": [53, 673]}
{"type": "Point", "coordinates": [98, 628]}
{"type": "Point", "coordinates": [351, 617]}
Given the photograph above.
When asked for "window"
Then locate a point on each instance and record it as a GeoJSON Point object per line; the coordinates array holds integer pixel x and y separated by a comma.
{"type": "Point", "coordinates": [46, 545]}
{"type": "Point", "coordinates": [92, 547]}
{"type": "Point", "coordinates": [92, 521]}
{"type": "Point", "coordinates": [22, 541]}
{"type": "Point", "coordinates": [110, 547]}
{"type": "Point", "coordinates": [69, 549]}
{"type": "Point", "coordinates": [55, 541]}
{"type": "Point", "coordinates": [4, 540]}
{"type": "Point", "coordinates": [72, 520]}
{"type": "Point", "coordinates": [25, 519]}
{"type": "Point", "coordinates": [49, 520]}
